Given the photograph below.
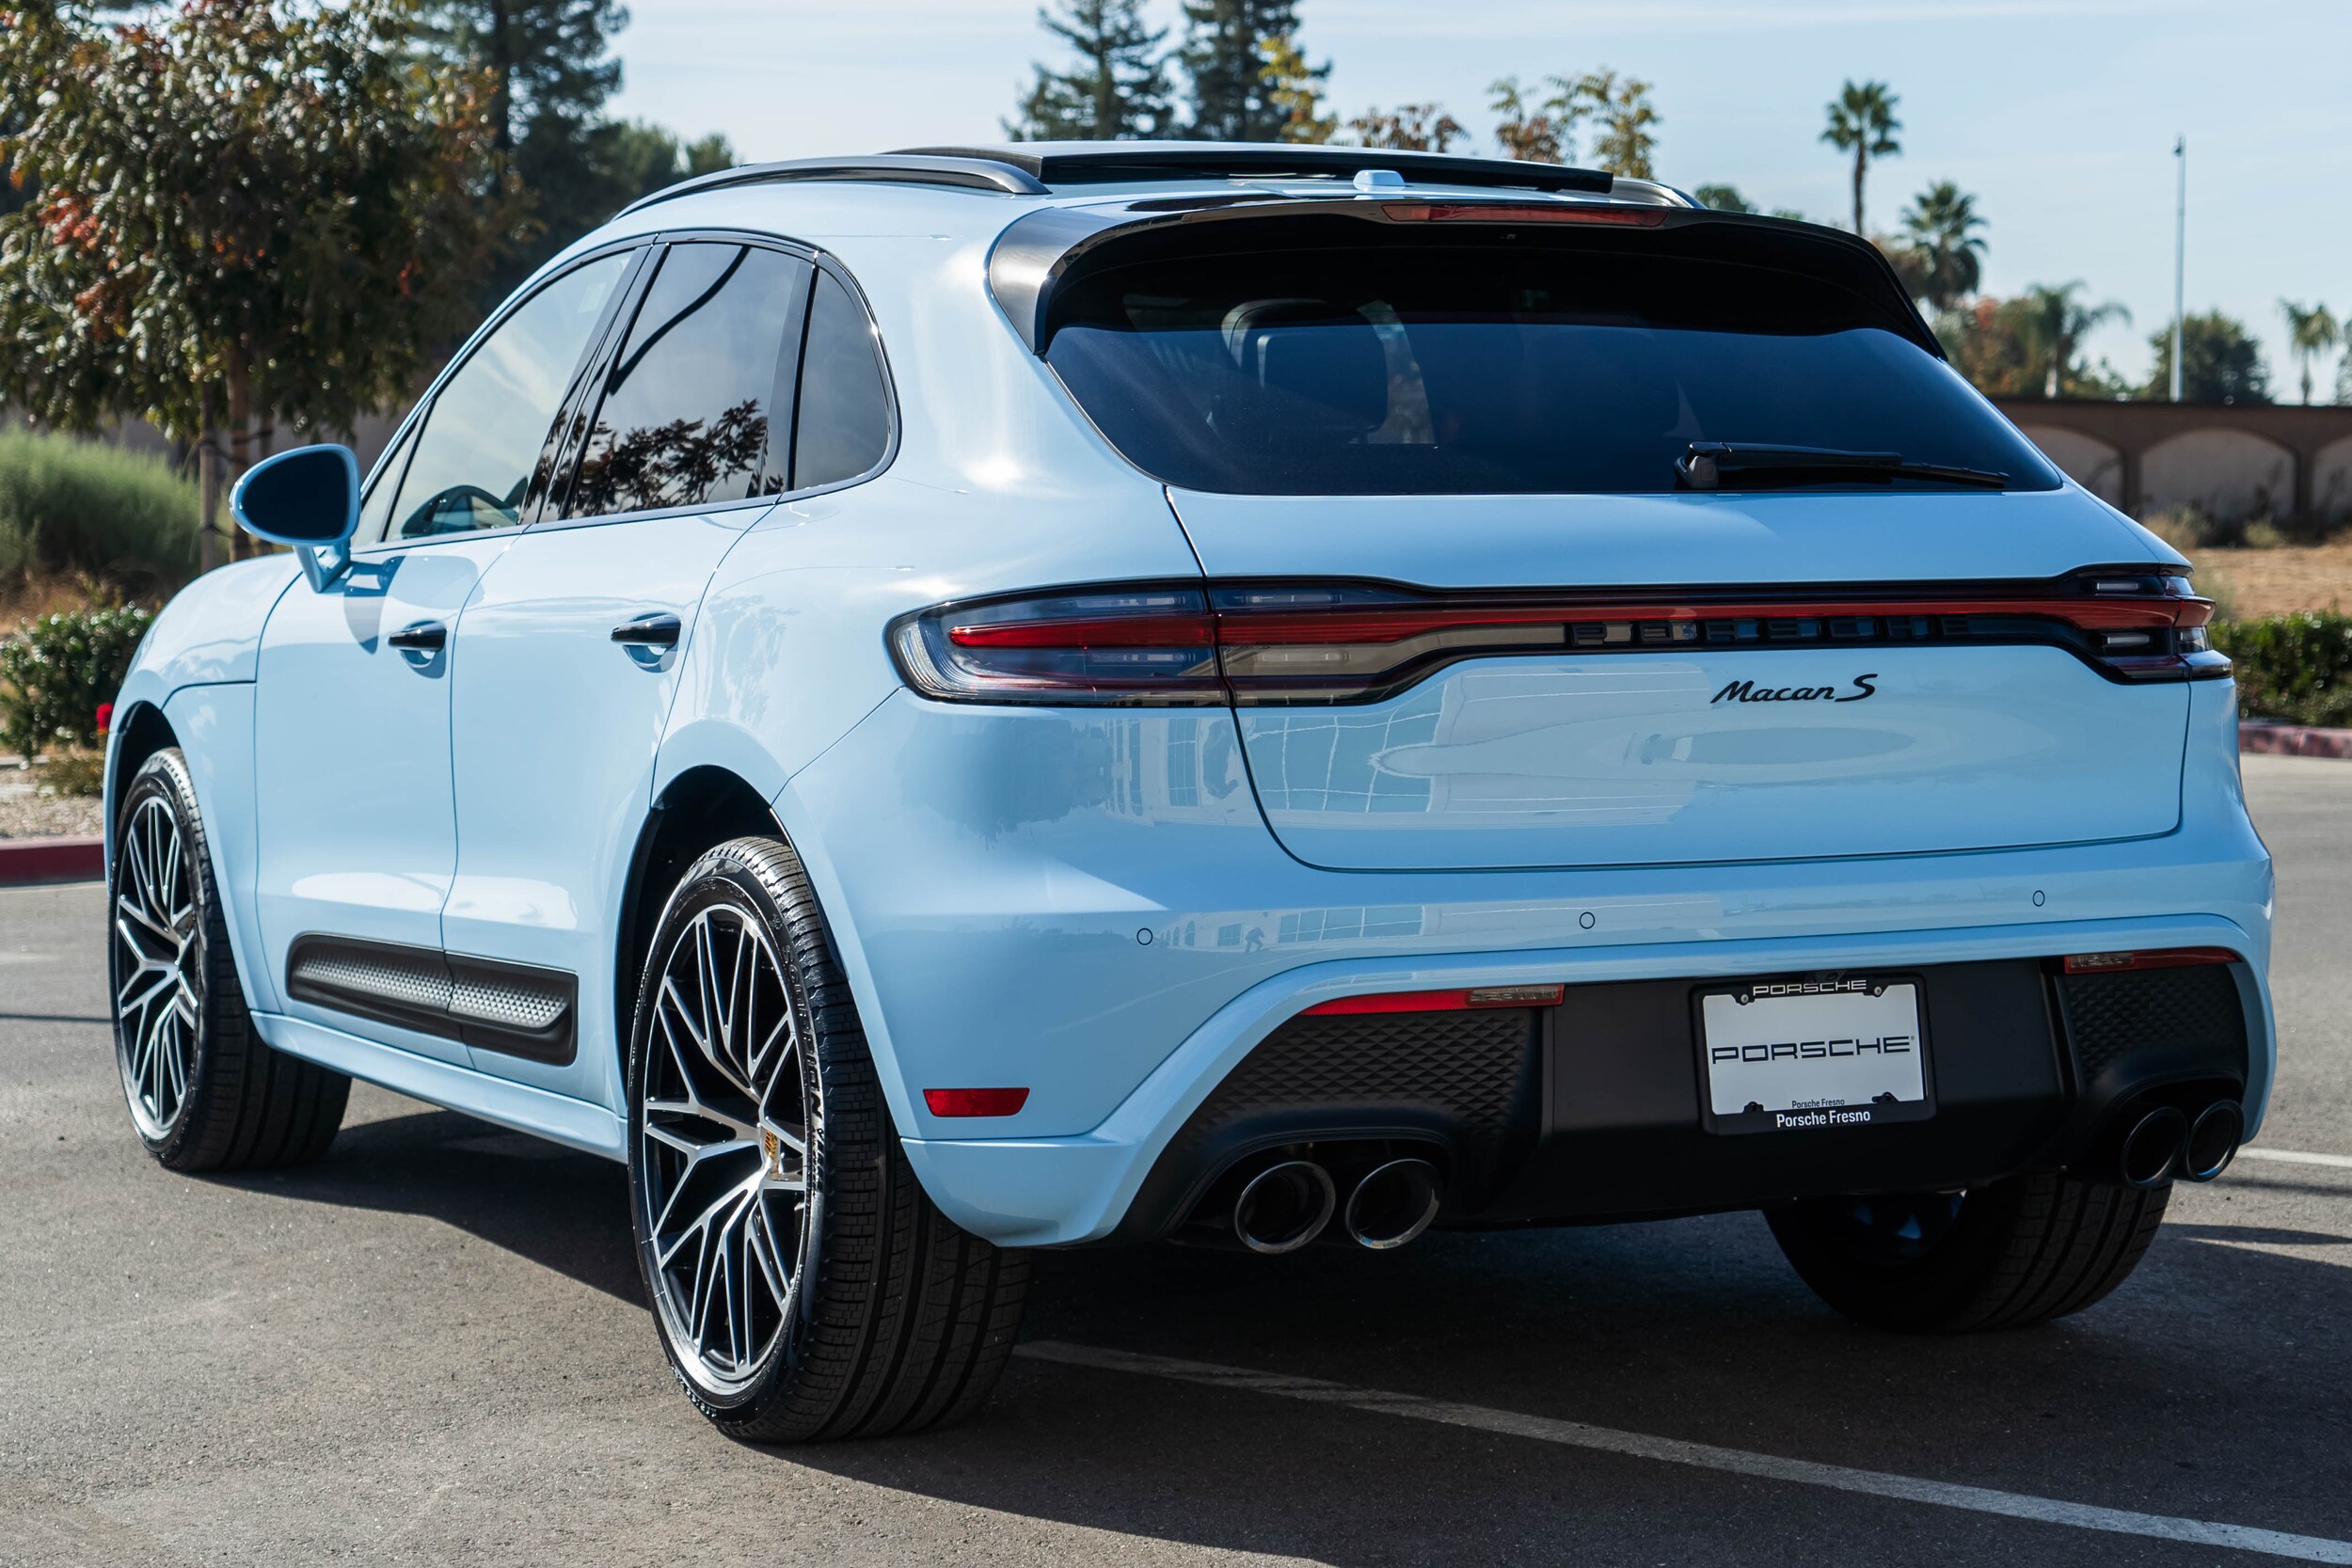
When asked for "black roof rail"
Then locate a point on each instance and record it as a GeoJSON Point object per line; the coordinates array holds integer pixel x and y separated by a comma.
{"type": "Point", "coordinates": [1058, 163]}
{"type": "Point", "coordinates": [969, 173]}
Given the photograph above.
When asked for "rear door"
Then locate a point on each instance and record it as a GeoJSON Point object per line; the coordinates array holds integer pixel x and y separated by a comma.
{"type": "Point", "coordinates": [571, 650]}
{"type": "Point", "coordinates": [1481, 604]}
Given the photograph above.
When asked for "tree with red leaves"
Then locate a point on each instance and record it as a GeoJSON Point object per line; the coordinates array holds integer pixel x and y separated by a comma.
{"type": "Point", "coordinates": [240, 212]}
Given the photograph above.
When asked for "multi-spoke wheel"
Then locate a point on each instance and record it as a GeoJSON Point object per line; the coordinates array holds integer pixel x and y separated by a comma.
{"type": "Point", "coordinates": [2005, 1255]}
{"type": "Point", "coordinates": [804, 1285]}
{"type": "Point", "coordinates": [204, 1092]}
{"type": "Point", "coordinates": [725, 1146]}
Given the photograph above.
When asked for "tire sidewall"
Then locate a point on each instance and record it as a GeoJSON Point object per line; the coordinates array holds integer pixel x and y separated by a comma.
{"type": "Point", "coordinates": [164, 776]}
{"type": "Point", "coordinates": [725, 877]}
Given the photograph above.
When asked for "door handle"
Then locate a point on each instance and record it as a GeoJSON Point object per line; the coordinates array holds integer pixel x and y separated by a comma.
{"type": "Point", "coordinates": [425, 637]}
{"type": "Point", "coordinates": [649, 631]}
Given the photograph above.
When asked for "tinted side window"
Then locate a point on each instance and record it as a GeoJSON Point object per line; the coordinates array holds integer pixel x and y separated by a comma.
{"type": "Point", "coordinates": [375, 512]}
{"type": "Point", "coordinates": [488, 422]}
{"type": "Point", "coordinates": [845, 407]}
{"type": "Point", "coordinates": [700, 388]}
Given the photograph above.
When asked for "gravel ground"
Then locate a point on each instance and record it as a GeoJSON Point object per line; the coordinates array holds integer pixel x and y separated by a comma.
{"type": "Point", "coordinates": [26, 813]}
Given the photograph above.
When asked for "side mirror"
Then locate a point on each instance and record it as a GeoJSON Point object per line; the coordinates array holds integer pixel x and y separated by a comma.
{"type": "Point", "coordinates": [308, 498]}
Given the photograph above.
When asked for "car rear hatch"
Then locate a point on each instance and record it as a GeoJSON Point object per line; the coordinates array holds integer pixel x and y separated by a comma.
{"type": "Point", "coordinates": [1789, 677]}
{"type": "Point", "coordinates": [1544, 532]}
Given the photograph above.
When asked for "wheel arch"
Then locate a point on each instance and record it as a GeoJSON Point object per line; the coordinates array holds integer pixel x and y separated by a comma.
{"type": "Point", "coordinates": [703, 806]}
{"type": "Point", "coordinates": [139, 731]}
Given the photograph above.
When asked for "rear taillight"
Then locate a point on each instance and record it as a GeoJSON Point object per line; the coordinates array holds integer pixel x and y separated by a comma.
{"type": "Point", "coordinates": [1138, 644]}
{"type": "Point", "coordinates": [1293, 643]}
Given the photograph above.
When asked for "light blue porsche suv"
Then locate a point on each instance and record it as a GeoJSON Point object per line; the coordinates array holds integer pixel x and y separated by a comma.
{"type": "Point", "coordinates": [992, 698]}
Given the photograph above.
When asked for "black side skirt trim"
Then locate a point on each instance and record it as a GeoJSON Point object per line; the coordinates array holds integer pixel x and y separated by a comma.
{"type": "Point", "coordinates": [513, 1009]}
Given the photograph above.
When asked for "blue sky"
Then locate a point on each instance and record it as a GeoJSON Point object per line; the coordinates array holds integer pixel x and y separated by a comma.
{"type": "Point", "coordinates": [2058, 114]}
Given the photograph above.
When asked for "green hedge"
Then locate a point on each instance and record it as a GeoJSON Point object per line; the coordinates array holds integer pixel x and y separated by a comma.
{"type": "Point", "coordinates": [71, 506]}
{"type": "Point", "coordinates": [2293, 667]}
{"type": "Point", "coordinates": [56, 674]}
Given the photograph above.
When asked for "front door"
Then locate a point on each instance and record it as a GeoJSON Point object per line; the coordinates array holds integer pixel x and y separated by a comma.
{"type": "Point", "coordinates": [572, 647]}
{"type": "Point", "coordinates": [358, 823]}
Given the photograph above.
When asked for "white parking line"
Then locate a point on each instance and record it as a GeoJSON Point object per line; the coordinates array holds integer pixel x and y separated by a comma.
{"type": "Point", "coordinates": [1875, 1483]}
{"type": "Point", "coordinates": [2296, 1157]}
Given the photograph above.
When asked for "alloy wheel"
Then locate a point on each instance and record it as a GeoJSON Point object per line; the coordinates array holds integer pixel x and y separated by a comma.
{"type": "Point", "coordinates": [725, 1132]}
{"type": "Point", "coordinates": [158, 967]}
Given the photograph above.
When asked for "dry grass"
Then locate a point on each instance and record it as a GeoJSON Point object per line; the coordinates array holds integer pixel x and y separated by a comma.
{"type": "Point", "coordinates": [2277, 581]}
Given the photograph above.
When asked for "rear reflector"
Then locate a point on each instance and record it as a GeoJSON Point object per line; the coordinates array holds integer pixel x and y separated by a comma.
{"type": "Point", "coordinates": [1443, 1001]}
{"type": "Point", "coordinates": [2164, 957]}
{"type": "Point", "coordinates": [974, 1102]}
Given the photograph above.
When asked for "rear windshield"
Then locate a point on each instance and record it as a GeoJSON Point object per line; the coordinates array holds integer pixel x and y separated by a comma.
{"type": "Point", "coordinates": [1496, 362]}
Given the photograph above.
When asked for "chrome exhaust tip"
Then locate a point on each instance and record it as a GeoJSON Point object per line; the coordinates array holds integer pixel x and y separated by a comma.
{"type": "Point", "coordinates": [1284, 1207]}
{"type": "Point", "coordinates": [1392, 1204]}
{"type": "Point", "coordinates": [2213, 1140]}
{"type": "Point", "coordinates": [2153, 1149]}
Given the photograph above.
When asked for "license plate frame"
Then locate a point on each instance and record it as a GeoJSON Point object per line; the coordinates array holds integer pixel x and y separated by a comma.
{"type": "Point", "coordinates": [1858, 1009]}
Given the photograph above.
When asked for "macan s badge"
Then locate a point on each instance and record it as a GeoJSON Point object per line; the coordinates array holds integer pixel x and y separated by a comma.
{"type": "Point", "coordinates": [1748, 691]}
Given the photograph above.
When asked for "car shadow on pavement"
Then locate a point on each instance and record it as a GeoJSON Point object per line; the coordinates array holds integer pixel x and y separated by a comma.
{"type": "Point", "coordinates": [559, 1209]}
{"type": "Point", "coordinates": [1693, 1330]}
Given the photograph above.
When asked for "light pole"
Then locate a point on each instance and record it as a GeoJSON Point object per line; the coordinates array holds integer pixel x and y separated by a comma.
{"type": "Point", "coordinates": [2180, 256]}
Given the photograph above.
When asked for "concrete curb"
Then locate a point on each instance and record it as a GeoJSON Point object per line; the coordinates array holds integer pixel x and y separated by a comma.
{"type": "Point", "coordinates": [24, 862]}
{"type": "Point", "coordinates": [2292, 740]}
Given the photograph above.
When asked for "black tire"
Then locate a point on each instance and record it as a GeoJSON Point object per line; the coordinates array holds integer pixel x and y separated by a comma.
{"type": "Point", "coordinates": [863, 1311]}
{"type": "Point", "coordinates": [204, 1092]}
{"type": "Point", "coordinates": [2008, 1254]}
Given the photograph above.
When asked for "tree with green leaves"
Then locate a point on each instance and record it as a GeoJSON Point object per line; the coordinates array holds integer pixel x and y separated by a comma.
{"type": "Point", "coordinates": [1723, 199]}
{"type": "Point", "coordinates": [2310, 330]}
{"type": "Point", "coordinates": [1294, 89]}
{"type": "Point", "coordinates": [1533, 130]}
{"type": "Point", "coordinates": [1225, 56]}
{"type": "Point", "coordinates": [1942, 256]}
{"type": "Point", "coordinates": [248, 209]}
{"type": "Point", "coordinates": [2220, 363]}
{"type": "Point", "coordinates": [1622, 111]}
{"type": "Point", "coordinates": [2056, 321]}
{"type": "Point", "coordinates": [547, 59]}
{"type": "Point", "coordinates": [1410, 128]}
{"type": "Point", "coordinates": [1862, 121]}
{"type": "Point", "coordinates": [1117, 89]}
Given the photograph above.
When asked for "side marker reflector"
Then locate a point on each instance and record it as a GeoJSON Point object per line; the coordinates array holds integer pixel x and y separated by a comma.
{"type": "Point", "coordinates": [2166, 958]}
{"type": "Point", "coordinates": [974, 1102]}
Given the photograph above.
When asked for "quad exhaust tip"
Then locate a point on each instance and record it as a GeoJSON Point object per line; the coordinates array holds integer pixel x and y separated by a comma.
{"type": "Point", "coordinates": [1392, 1204]}
{"type": "Point", "coordinates": [1284, 1207]}
{"type": "Point", "coordinates": [2153, 1149]}
{"type": "Point", "coordinates": [2212, 1141]}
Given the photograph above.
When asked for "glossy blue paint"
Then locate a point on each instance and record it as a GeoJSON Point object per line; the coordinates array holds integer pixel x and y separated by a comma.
{"type": "Point", "coordinates": [1091, 902]}
{"type": "Point", "coordinates": [554, 730]}
{"type": "Point", "coordinates": [351, 759]}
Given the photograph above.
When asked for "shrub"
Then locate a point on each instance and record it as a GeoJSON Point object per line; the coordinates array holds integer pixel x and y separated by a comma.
{"type": "Point", "coordinates": [2293, 667]}
{"type": "Point", "coordinates": [56, 672]}
{"type": "Point", "coordinates": [70, 506]}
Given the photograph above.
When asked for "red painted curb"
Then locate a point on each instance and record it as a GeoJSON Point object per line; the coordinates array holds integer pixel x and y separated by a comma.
{"type": "Point", "coordinates": [26, 861]}
{"type": "Point", "coordinates": [2292, 740]}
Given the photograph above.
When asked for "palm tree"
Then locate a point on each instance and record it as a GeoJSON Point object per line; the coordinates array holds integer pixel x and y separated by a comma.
{"type": "Point", "coordinates": [1862, 121]}
{"type": "Point", "coordinates": [2055, 320]}
{"type": "Point", "coordinates": [2310, 332]}
{"type": "Point", "coordinates": [1946, 252]}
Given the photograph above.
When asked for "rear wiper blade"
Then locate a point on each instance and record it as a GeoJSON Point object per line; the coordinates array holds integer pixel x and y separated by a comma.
{"type": "Point", "coordinates": [1708, 464]}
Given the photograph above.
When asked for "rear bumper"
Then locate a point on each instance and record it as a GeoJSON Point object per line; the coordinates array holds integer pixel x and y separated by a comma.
{"type": "Point", "coordinates": [1089, 905]}
{"type": "Point", "coordinates": [1609, 1157]}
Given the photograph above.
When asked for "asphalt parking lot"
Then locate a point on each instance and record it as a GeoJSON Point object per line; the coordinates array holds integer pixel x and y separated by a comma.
{"type": "Point", "coordinates": [431, 1348]}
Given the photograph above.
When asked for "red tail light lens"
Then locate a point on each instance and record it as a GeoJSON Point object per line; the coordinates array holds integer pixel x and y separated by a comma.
{"type": "Point", "coordinates": [1346, 642]}
{"type": "Point", "coordinates": [1123, 645]}
{"type": "Point", "coordinates": [974, 1102]}
{"type": "Point", "coordinates": [1442, 1001]}
{"type": "Point", "coordinates": [2165, 957]}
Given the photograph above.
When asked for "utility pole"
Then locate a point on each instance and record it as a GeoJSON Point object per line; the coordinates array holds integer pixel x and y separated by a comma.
{"type": "Point", "coordinates": [2180, 256]}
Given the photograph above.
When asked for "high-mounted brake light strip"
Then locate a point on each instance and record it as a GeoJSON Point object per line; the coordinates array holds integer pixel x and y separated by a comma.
{"type": "Point", "coordinates": [1341, 642]}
